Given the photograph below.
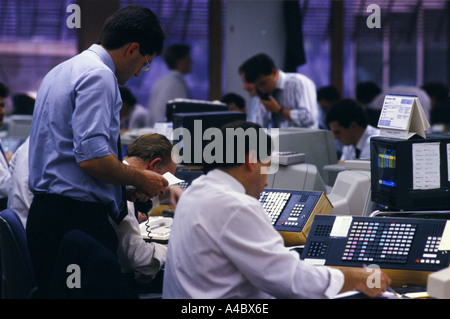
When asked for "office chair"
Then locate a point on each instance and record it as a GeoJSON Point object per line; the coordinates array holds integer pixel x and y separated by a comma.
{"type": "Point", "coordinates": [85, 269]}
{"type": "Point", "coordinates": [18, 281]}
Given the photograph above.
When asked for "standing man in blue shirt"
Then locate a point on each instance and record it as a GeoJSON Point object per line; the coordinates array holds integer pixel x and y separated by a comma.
{"type": "Point", "coordinates": [75, 163]}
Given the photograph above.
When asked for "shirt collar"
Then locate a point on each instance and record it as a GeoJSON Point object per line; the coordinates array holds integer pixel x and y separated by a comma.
{"type": "Point", "coordinates": [281, 80]}
{"type": "Point", "coordinates": [222, 177]}
{"type": "Point", "coordinates": [362, 140]}
{"type": "Point", "coordinates": [103, 55]}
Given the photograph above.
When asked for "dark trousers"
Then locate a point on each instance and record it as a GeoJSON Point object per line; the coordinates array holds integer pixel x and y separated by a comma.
{"type": "Point", "coordinates": [50, 218]}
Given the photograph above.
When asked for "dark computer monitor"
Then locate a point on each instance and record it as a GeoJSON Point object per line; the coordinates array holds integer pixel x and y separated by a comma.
{"type": "Point", "coordinates": [192, 106]}
{"type": "Point", "coordinates": [410, 175]}
{"type": "Point", "coordinates": [196, 124]}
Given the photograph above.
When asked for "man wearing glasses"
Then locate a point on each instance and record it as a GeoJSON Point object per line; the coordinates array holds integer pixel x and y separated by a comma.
{"type": "Point", "coordinates": [75, 164]}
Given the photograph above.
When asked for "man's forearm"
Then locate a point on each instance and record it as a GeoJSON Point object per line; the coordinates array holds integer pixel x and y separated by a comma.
{"type": "Point", "coordinates": [110, 170]}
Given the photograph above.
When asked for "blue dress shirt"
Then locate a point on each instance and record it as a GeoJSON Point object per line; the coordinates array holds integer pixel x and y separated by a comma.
{"type": "Point", "coordinates": [76, 118]}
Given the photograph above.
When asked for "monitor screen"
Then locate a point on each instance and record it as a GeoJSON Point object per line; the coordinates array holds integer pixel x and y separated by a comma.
{"type": "Point", "coordinates": [410, 174]}
{"type": "Point", "coordinates": [386, 167]}
{"type": "Point", "coordinates": [192, 106]}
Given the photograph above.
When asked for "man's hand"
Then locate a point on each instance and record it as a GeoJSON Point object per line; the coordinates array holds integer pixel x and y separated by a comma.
{"type": "Point", "coordinates": [110, 170]}
{"type": "Point", "coordinates": [151, 184]}
{"type": "Point", "coordinates": [368, 281]}
{"type": "Point", "coordinates": [271, 105]}
{"type": "Point", "coordinates": [175, 193]}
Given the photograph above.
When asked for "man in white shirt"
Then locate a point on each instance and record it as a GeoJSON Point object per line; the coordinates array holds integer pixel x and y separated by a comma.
{"type": "Point", "coordinates": [132, 114]}
{"type": "Point", "coordinates": [288, 98]}
{"type": "Point", "coordinates": [5, 156]}
{"type": "Point", "coordinates": [149, 152]}
{"type": "Point", "coordinates": [223, 244]}
{"type": "Point", "coordinates": [349, 124]}
{"type": "Point", "coordinates": [172, 85]}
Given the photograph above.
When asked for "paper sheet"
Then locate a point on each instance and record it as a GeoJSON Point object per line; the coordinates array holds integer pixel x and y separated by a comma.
{"type": "Point", "coordinates": [341, 226]}
{"type": "Point", "coordinates": [172, 179]}
{"type": "Point", "coordinates": [402, 117]}
{"type": "Point", "coordinates": [445, 239]}
{"type": "Point", "coordinates": [426, 166]}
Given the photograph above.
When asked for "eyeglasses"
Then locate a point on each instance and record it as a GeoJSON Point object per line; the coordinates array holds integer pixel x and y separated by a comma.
{"type": "Point", "coordinates": [147, 66]}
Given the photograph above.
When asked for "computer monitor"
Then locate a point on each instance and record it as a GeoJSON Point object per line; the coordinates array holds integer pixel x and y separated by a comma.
{"type": "Point", "coordinates": [297, 177]}
{"type": "Point", "coordinates": [19, 125]}
{"type": "Point", "coordinates": [190, 146]}
{"type": "Point", "coordinates": [192, 106]}
{"type": "Point", "coordinates": [411, 174]}
{"type": "Point", "coordinates": [350, 194]}
{"type": "Point", "coordinates": [318, 145]}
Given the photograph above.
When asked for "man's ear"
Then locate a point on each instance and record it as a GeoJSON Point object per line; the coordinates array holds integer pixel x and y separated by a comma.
{"type": "Point", "coordinates": [131, 49]}
{"type": "Point", "coordinates": [251, 160]}
{"type": "Point", "coordinates": [154, 164]}
{"type": "Point", "coordinates": [274, 71]}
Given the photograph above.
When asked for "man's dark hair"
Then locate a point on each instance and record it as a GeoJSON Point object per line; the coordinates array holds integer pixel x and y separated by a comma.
{"type": "Point", "coordinates": [234, 98]}
{"type": "Point", "coordinates": [345, 112]}
{"type": "Point", "coordinates": [367, 91]}
{"type": "Point", "coordinates": [4, 90]}
{"type": "Point", "coordinates": [328, 93]}
{"type": "Point", "coordinates": [260, 142]}
{"type": "Point", "coordinates": [150, 146]}
{"type": "Point", "coordinates": [437, 90]}
{"type": "Point", "coordinates": [23, 104]}
{"type": "Point", "coordinates": [133, 24]}
{"type": "Point", "coordinates": [257, 66]}
{"type": "Point", "coordinates": [174, 53]}
{"type": "Point", "coordinates": [127, 96]}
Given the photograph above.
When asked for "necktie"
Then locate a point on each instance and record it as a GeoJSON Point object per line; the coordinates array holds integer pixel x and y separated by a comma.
{"type": "Point", "coordinates": [276, 118]}
{"type": "Point", "coordinates": [123, 210]}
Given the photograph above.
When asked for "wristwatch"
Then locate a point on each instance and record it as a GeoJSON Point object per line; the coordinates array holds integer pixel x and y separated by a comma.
{"type": "Point", "coordinates": [280, 112]}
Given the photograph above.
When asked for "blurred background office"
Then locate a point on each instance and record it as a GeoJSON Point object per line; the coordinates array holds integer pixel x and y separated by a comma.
{"type": "Point", "coordinates": [329, 41]}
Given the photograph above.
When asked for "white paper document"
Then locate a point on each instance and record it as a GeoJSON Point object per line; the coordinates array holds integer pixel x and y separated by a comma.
{"type": "Point", "coordinates": [445, 239]}
{"type": "Point", "coordinates": [426, 166]}
{"type": "Point", "coordinates": [341, 226]}
{"type": "Point", "coordinates": [402, 117]}
{"type": "Point", "coordinates": [172, 179]}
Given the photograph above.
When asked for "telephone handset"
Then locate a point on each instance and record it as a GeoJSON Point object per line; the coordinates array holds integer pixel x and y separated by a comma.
{"type": "Point", "coordinates": [156, 228]}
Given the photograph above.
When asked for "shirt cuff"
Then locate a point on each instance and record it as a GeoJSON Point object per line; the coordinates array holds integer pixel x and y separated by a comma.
{"type": "Point", "coordinates": [93, 147]}
{"type": "Point", "coordinates": [336, 283]}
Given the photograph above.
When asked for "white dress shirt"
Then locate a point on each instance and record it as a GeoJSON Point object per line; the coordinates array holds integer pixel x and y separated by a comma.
{"type": "Point", "coordinates": [222, 245]}
{"type": "Point", "coordinates": [169, 87]}
{"type": "Point", "coordinates": [5, 176]}
{"type": "Point", "coordinates": [136, 119]}
{"type": "Point", "coordinates": [296, 92]}
{"type": "Point", "coordinates": [348, 151]}
{"type": "Point", "coordinates": [133, 252]}
{"type": "Point", "coordinates": [20, 197]}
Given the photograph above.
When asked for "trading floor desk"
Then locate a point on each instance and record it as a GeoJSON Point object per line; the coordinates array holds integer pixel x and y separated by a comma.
{"type": "Point", "coordinates": [408, 250]}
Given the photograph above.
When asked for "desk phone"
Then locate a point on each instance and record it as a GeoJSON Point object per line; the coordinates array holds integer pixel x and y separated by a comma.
{"type": "Point", "coordinates": [390, 243]}
{"type": "Point", "coordinates": [292, 212]}
{"type": "Point", "coordinates": [156, 229]}
{"type": "Point", "coordinates": [187, 177]}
